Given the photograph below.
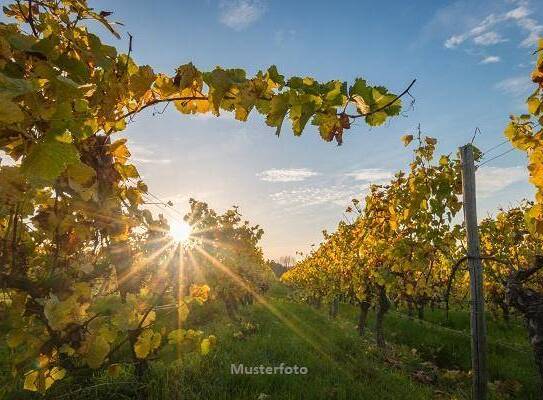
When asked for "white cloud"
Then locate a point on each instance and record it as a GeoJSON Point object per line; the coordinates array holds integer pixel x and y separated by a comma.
{"type": "Point", "coordinates": [286, 175]}
{"type": "Point", "coordinates": [145, 155]}
{"type": "Point", "coordinates": [371, 175]}
{"type": "Point", "coordinates": [534, 30]}
{"type": "Point", "coordinates": [488, 39]}
{"type": "Point", "coordinates": [490, 60]}
{"type": "Point", "coordinates": [239, 14]}
{"type": "Point", "coordinates": [337, 195]}
{"type": "Point", "coordinates": [484, 33]}
{"type": "Point", "coordinates": [518, 13]}
{"type": "Point", "coordinates": [491, 180]}
{"type": "Point", "coordinates": [517, 86]}
{"type": "Point", "coordinates": [151, 160]}
{"type": "Point", "coordinates": [454, 41]}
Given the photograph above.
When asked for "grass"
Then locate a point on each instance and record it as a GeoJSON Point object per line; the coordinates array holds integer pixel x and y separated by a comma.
{"type": "Point", "coordinates": [341, 365]}
{"type": "Point", "coordinates": [446, 342]}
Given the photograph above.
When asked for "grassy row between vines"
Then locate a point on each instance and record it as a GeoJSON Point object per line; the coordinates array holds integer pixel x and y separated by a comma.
{"type": "Point", "coordinates": [425, 360]}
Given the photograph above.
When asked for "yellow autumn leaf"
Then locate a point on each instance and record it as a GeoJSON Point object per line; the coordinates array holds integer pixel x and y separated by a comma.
{"type": "Point", "coordinates": [32, 379]}
{"type": "Point", "coordinates": [182, 311]}
{"type": "Point", "coordinates": [147, 341]}
{"type": "Point", "coordinates": [42, 379]}
{"type": "Point", "coordinates": [406, 139]}
{"type": "Point", "coordinates": [361, 105]}
{"type": "Point", "coordinates": [205, 346]}
{"type": "Point", "coordinates": [176, 336]}
{"type": "Point", "coordinates": [430, 140]}
{"type": "Point", "coordinates": [424, 204]}
{"type": "Point", "coordinates": [119, 151]}
{"type": "Point", "coordinates": [199, 292]}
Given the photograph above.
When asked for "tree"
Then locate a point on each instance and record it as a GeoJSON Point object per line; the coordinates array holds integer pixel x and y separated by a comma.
{"type": "Point", "coordinates": [287, 261]}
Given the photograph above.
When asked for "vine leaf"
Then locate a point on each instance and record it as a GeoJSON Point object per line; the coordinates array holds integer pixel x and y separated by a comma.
{"type": "Point", "coordinates": [47, 160]}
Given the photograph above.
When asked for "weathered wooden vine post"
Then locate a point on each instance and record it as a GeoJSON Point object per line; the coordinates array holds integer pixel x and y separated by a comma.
{"type": "Point", "coordinates": [478, 326]}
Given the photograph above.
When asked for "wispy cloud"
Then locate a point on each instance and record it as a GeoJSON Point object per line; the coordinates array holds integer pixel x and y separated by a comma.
{"type": "Point", "coordinates": [145, 155]}
{"type": "Point", "coordinates": [488, 39]}
{"type": "Point", "coordinates": [239, 14]}
{"type": "Point", "coordinates": [490, 60]}
{"type": "Point", "coordinates": [491, 180]}
{"type": "Point", "coordinates": [151, 160]}
{"type": "Point", "coordinates": [373, 175]}
{"type": "Point", "coordinates": [337, 195]}
{"type": "Point", "coordinates": [485, 32]}
{"type": "Point", "coordinates": [286, 175]}
{"type": "Point", "coordinates": [335, 190]}
{"type": "Point", "coordinates": [517, 86]}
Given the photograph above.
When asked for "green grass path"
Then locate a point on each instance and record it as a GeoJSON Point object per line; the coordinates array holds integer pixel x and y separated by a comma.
{"type": "Point", "coordinates": [425, 360]}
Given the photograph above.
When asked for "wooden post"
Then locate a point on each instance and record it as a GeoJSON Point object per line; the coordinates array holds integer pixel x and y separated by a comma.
{"type": "Point", "coordinates": [478, 328]}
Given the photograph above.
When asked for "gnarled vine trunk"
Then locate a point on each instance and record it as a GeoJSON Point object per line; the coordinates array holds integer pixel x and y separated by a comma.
{"type": "Point", "coordinates": [506, 312]}
{"type": "Point", "coordinates": [334, 307]}
{"type": "Point", "coordinates": [363, 316]}
{"type": "Point", "coordinates": [383, 305]}
{"type": "Point", "coordinates": [530, 304]}
{"type": "Point", "coordinates": [420, 311]}
{"type": "Point", "coordinates": [410, 309]}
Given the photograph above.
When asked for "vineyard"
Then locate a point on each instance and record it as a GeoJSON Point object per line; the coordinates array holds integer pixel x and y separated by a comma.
{"type": "Point", "coordinates": [102, 298]}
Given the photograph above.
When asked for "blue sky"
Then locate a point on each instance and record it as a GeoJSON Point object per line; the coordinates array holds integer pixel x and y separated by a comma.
{"type": "Point", "coordinates": [471, 60]}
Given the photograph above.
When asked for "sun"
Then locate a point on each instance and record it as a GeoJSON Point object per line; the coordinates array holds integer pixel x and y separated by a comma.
{"type": "Point", "coordinates": [180, 231]}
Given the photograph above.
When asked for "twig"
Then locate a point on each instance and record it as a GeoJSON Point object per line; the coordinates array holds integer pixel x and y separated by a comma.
{"type": "Point", "coordinates": [398, 97]}
{"type": "Point", "coordinates": [129, 52]}
{"type": "Point", "coordinates": [477, 130]}
{"type": "Point", "coordinates": [28, 18]}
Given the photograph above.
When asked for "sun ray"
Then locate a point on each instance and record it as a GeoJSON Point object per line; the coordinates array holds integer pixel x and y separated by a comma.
{"type": "Point", "coordinates": [260, 299]}
{"type": "Point", "coordinates": [142, 262]}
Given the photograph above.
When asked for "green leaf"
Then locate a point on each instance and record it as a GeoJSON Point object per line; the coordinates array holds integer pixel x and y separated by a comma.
{"type": "Point", "coordinates": [278, 110]}
{"type": "Point", "coordinates": [328, 124]}
{"type": "Point", "coordinates": [334, 93]}
{"type": "Point", "coordinates": [302, 109]}
{"type": "Point", "coordinates": [220, 81]}
{"type": "Point", "coordinates": [47, 160]}
{"type": "Point", "coordinates": [97, 351]}
{"type": "Point", "coordinates": [12, 87]}
{"type": "Point", "coordinates": [361, 89]}
{"type": "Point", "coordinates": [377, 118]}
{"type": "Point", "coordinates": [186, 75]}
{"type": "Point", "coordinates": [76, 69]}
{"type": "Point", "coordinates": [81, 173]}
{"type": "Point", "coordinates": [10, 112]}
{"type": "Point", "coordinates": [275, 76]}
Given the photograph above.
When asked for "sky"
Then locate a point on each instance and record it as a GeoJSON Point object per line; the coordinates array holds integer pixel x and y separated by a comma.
{"type": "Point", "coordinates": [472, 62]}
